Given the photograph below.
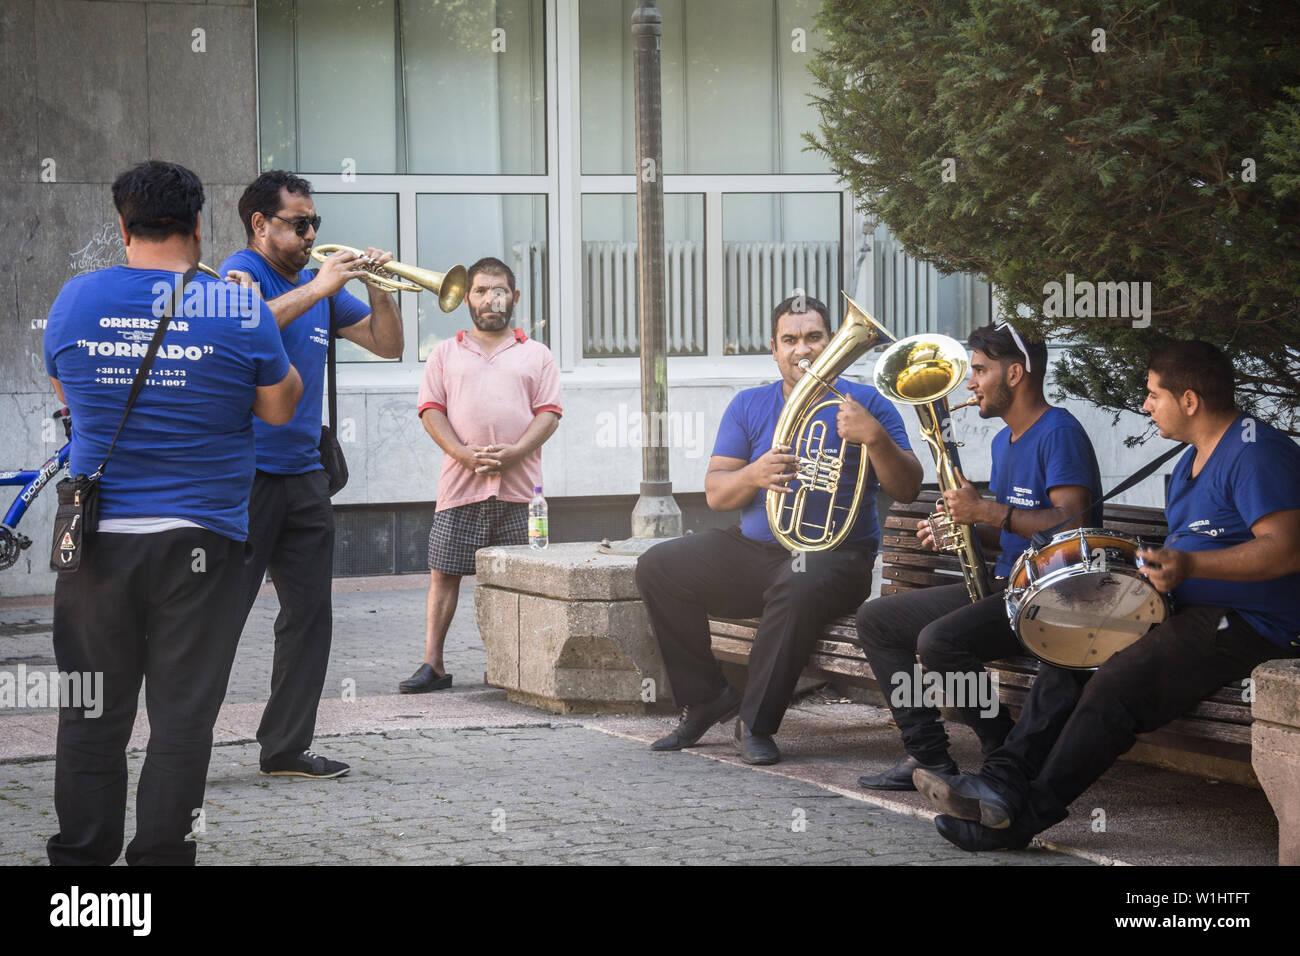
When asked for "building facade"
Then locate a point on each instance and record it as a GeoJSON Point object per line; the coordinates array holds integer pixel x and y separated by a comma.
{"type": "Point", "coordinates": [447, 130]}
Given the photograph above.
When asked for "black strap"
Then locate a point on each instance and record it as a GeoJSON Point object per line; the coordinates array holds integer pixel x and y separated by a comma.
{"type": "Point", "coordinates": [1041, 538]}
{"type": "Point", "coordinates": [146, 364]}
{"type": "Point", "coordinates": [330, 374]}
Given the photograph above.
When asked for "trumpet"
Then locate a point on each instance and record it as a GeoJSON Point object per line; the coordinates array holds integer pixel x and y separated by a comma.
{"type": "Point", "coordinates": [394, 276]}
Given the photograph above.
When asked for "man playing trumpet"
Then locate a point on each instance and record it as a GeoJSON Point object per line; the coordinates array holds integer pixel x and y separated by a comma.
{"type": "Point", "coordinates": [291, 522]}
{"type": "Point", "coordinates": [744, 572]}
{"type": "Point", "coordinates": [1044, 470]}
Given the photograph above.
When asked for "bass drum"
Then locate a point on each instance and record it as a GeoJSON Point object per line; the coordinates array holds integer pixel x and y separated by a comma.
{"type": "Point", "coordinates": [1080, 599]}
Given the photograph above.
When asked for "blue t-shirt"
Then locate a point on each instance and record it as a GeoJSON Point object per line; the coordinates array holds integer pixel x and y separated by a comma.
{"type": "Point", "coordinates": [186, 450]}
{"type": "Point", "coordinates": [1253, 471]}
{"type": "Point", "coordinates": [1053, 451]}
{"type": "Point", "coordinates": [746, 432]}
{"type": "Point", "coordinates": [294, 448]}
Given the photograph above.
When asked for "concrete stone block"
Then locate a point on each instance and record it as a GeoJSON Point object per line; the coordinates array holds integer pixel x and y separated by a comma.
{"type": "Point", "coordinates": [574, 572]}
{"type": "Point", "coordinates": [1275, 755]}
{"type": "Point", "coordinates": [91, 75]}
{"type": "Point", "coordinates": [1275, 749]}
{"type": "Point", "coordinates": [203, 105]}
{"type": "Point", "coordinates": [1277, 692]}
{"type": "Point", "coordinates": [497, 614]}
{"type": "Point", "coordinates": [569, 655]}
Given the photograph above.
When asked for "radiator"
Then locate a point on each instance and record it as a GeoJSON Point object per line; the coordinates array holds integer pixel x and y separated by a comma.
{"type": "Point", "coordinates": [533, 278]}
{"type": "Point", "coordinates": [761, 274]}
{"type": "Point", "coordinates": [611, 324]}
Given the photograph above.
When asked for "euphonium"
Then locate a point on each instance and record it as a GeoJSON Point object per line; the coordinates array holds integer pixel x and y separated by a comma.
{"type": "Point", "coordinates": [921, 370]}
{"type": "Point", "coordinates": [449, 286]}
{"type": "Point", "coordinates": [817, 467]}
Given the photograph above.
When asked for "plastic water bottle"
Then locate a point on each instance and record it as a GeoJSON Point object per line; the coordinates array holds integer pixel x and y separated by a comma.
{"type": "Point", "coordinates": [538, 533]}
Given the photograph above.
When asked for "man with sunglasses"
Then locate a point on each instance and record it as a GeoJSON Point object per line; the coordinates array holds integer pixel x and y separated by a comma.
{"type": "Point", "coordinates": [291, 522]}
{"type": "Point", "coordinates": [1043, 471]}
{"type": "Point", "coordinates": [1232, 565]}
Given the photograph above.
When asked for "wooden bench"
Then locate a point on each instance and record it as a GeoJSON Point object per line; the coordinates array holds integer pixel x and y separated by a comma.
{"type": "Point", "coordinates": [1218, 727]}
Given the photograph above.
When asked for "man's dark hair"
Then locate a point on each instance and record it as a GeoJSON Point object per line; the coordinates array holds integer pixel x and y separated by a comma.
{"type": "Point", "coordinates": [1198, 367]}
{"type": "Point", "coordinates": [263, 195]}
{"type": "Point", "coordinates": [157, 199]}
{"type": "Point", "coordinates": [809, 303]}
{"type": "Point", "coordinates": [999, 344]}
{"type": "Point", "coordinates": [492, 267]}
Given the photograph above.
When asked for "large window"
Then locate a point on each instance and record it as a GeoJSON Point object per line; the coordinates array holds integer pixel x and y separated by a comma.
{"type": "Point", "coordinates": [464, 228]}
{"type": "Point", "coordinates": [358, 87]}
{"type": "Point", "coordinates": [448, 130]}
{"type": "Point", "coordinates": [735, 86]}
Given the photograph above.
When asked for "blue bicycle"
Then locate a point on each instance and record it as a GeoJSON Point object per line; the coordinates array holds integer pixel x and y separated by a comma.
{"type": "Point", "coordinates": [12, 543]}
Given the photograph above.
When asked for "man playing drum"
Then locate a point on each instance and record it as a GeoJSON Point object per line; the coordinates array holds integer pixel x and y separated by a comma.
{"type": "Point", "coordinates": [1232, 565]}
{"type": "Point", "coordinates": [1044, 471]}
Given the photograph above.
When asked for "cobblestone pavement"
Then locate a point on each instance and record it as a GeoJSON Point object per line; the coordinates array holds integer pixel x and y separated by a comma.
{"type": "Point", "coordinates": [428, 770]}
{"type": "Point", "coordinates": [540, 794]}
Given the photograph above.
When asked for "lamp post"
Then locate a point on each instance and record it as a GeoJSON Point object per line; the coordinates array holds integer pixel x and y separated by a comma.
{"type": "Point", "coordinates": [656, 514]}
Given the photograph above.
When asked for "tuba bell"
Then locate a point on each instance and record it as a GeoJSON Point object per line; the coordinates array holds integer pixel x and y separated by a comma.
{"type": "Point", "coordinates": [796, 518]}
{"type": "Point", "coordinates": [920, 371]}
{"type": "Point", "coordinates": [394, 276]}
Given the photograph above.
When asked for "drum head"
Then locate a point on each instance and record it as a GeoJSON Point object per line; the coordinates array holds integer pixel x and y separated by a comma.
{"type": "Point", "coordinates": [1080, 619]}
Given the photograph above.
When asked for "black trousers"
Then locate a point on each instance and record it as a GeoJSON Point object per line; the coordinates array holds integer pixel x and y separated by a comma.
{"type": "Point", "coordinates": [723, 573]}
{"type": "Point", "coordinates": [949, 635]}
{"type": "Point", "coordinates": [1076, 724]}
{"type": "Point", "coordinates": [291, 530]}
{"type": "Point", "coordinates": [162, 608]}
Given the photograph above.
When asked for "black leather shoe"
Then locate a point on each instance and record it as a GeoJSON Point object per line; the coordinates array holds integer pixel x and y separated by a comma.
{"type": "Point", "coordinates": [757, 749]}
{"type": "Point", "coordinates": [964, 796]}
{"type": "Point", "coordinates": [424, 679]}
{"type": "Point", "coordinates": [899, 776]}
{"type": "Point", "coordinates": [698, 718]}
{"type": "Point", "coordinates": [975, 838]}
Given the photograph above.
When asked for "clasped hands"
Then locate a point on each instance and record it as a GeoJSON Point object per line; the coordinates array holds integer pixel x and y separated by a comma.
{"type": "Point", "coordinates": [489, 459]}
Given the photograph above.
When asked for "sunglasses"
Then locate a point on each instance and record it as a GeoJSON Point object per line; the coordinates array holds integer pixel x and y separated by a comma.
{"type": "Point", "coordinates": [301, 224]}
{"type": "Point", "coordinates": [1020, 344]}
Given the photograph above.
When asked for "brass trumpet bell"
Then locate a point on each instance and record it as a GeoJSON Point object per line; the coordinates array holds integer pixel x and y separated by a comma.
{"type": "Point", "coordinates": [450, 286]}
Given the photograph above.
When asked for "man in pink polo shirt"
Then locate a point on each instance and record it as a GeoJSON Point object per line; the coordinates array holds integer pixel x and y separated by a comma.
{"type": "Point", "coordinates": [490, 398]}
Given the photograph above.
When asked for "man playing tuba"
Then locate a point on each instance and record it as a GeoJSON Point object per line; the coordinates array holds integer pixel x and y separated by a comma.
{"type": "Point", "coordinates": [743, 572]}
{"type": "Point", "coordinates": [1044, 470]}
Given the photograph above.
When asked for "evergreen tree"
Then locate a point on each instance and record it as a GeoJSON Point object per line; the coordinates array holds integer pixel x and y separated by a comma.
{"type": "Point", "coordinates": [1116, 142]}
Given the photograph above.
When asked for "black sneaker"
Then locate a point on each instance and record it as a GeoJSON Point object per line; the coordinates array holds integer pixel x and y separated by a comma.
{"type": "Point", "coordinates": [305, 764]}
{"type": "Point", "coordinates": [698, 718]}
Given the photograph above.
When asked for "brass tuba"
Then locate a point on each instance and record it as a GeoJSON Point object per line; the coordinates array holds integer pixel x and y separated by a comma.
{"type": "Point", "coordinates": [921, 370]}
{"type": "Point", "coordinates": [818, 468]}
{"type": "Point", "coordinates": [394, 276]}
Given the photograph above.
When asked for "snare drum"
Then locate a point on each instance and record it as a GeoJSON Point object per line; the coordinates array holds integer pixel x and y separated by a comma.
{"type": "Point", "coordinates": [1079, 599]}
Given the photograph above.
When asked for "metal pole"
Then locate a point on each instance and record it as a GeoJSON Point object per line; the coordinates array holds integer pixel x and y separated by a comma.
{"type": "Point", "coordinates": [656, 514]}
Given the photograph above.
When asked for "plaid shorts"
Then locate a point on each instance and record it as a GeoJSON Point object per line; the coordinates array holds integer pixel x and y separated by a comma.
{"type": "Point", "coordinates": [459, 532]}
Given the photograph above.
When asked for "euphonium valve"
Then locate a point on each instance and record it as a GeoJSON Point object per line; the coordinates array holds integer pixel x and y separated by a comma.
{"type": "Point", "coordinates": [450, 286]}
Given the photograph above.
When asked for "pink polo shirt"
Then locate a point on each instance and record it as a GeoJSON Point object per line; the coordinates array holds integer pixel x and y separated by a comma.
{"type": "Point", "coordinates": [490, 400]}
